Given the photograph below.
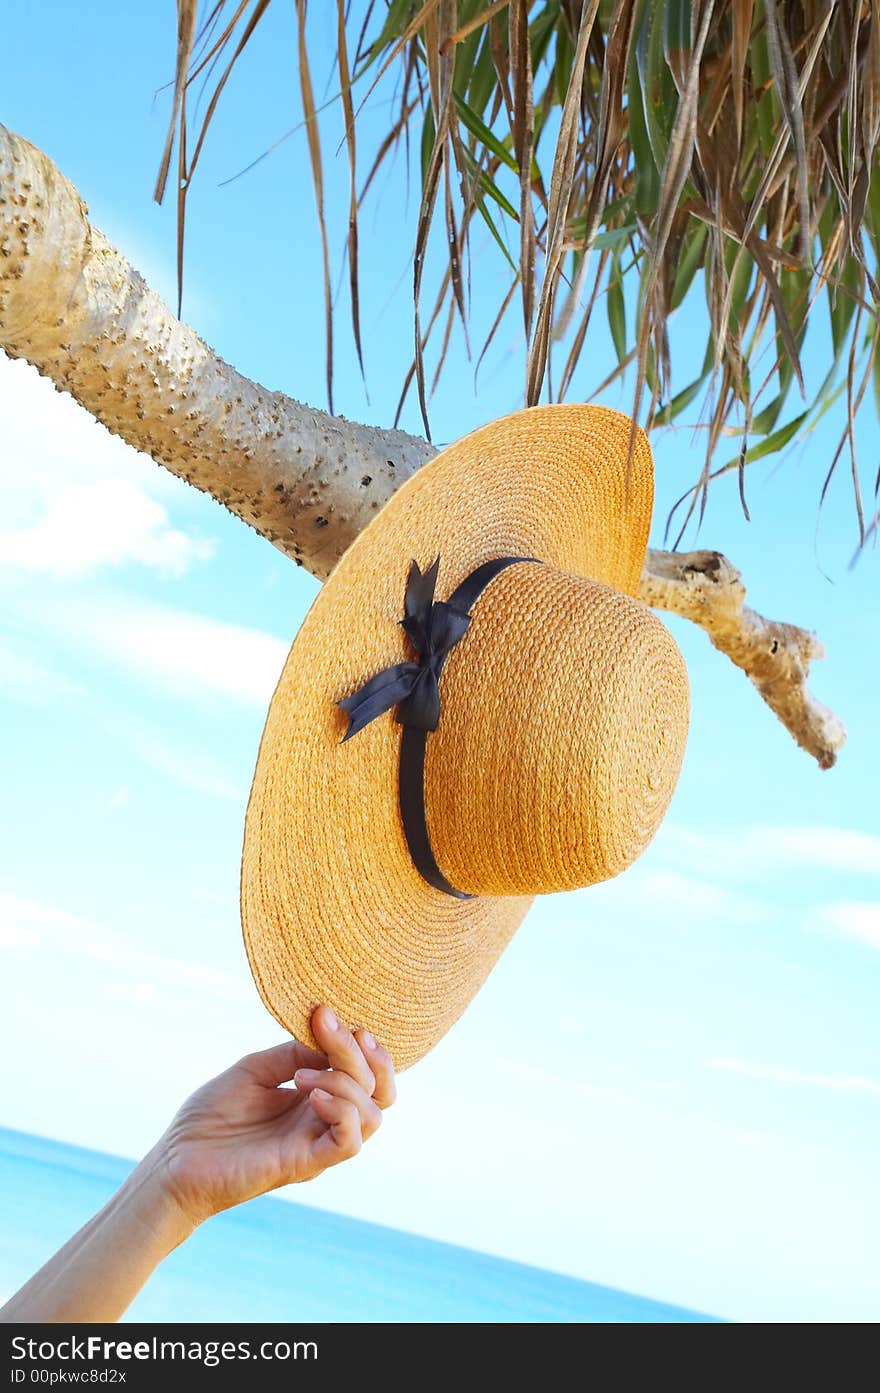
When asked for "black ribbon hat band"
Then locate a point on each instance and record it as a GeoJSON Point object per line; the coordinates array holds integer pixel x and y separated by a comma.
{"type": "Point", "coordinates": [433, 628]}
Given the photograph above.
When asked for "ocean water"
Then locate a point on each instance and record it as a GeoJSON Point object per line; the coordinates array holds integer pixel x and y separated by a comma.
{"type": "Point", "coordinates": [272, 1260]}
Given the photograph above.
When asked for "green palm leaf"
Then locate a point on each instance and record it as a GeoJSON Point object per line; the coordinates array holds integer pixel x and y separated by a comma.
{"type": "Point", "coordinates": [628, 148]}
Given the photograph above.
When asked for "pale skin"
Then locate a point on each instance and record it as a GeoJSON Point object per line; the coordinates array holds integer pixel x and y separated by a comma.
{"type": "Point", "coordinates": [239, 1136]}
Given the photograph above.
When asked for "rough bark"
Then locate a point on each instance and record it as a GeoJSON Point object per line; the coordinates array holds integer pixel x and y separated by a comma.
{"type": "Point", "coordinates": [73, 306]}
{"type": "Point", "coordinates": [703, 586]}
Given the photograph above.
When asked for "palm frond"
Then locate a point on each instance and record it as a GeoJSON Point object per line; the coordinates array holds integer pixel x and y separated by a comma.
{"type": "Point", "coordinates": [619, 150]}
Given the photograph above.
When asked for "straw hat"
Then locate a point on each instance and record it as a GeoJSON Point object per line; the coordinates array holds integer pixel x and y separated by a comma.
{"type": "Point", "coordinates": [555, 754]}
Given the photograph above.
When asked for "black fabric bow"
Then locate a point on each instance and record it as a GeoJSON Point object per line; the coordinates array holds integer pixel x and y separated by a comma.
{"type": "Point", "coordinates": [433, 629]}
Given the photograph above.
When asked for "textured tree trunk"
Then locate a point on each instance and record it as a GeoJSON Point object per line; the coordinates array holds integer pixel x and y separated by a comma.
{"type": "Point", "coordinates": [73, 306]}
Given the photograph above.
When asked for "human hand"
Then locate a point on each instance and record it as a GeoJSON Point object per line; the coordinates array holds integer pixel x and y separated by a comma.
{"type": "Point", "coordinates": [242, 1134]}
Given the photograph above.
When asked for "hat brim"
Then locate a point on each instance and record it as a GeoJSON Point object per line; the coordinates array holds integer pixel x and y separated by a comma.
{"type": "Point", "coordinates": [333, 909]}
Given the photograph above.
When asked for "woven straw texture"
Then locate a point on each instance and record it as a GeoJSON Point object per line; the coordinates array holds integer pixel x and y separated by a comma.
{"type": "Point", "coordinates": [564, 718]}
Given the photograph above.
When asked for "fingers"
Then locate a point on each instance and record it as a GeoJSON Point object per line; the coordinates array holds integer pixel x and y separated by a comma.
{"type": "Point", "coordinates": [341, 1048]}
{"type": "Point", "coordinates": [358, 1055]}
{"type": "Point", "coordinates": [343, 1139]}
{"type": "Point", "coordinates": [278, 1064]}
{"type": "Point", "coordinates": [382, 1065]}
{"type": "Point", "coordinates": [343, 1086]}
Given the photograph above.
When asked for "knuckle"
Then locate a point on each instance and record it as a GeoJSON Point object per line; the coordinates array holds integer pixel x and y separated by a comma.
{"type": "Point", "coordinates": [354, 1053]}
{"type": "Point", "coordinates": [363, 1076]}
{"type": "Point", "coordinates": [351, 1143]}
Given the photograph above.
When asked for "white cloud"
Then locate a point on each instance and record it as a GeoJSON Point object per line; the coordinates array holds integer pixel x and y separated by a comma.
{"type": "Point", "coordinates": [549, 1081]}
{"type": "Point", "coordinates": [22, 675]}
{"type": "Point", "coordinates": [31, 925]}
{"type": "Point", "coordinates": [76, 498]}
{"type": "Point", "coordinates": [136, 1026]}
{"type": "Point", "coordinates": [656, 890]}
{"type": "Point", "coordinates": [84, 527]}
{"type": "Point", "coordinates": [690, 896]}
{"type": "Point", "coordinates": [183, 765]}
{"type": "Point", "coordinates": [746, 852]}
{"type": "Point", "coordinates": [17, 935]}
{"type": "Point", "coordinates": [175, 650]}
{"type": "Point", "coordinates": [858, 919]}
{"type": "Point", "coordinates": [825, 848]}
{"type": "Point", "coordinates": [796, 1078]}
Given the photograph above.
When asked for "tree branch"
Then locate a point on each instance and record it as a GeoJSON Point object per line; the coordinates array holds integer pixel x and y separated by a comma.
{"type": "Point", "coordinates": [74, 307]}
{"type": "Point", "coordinates": [704, 587]}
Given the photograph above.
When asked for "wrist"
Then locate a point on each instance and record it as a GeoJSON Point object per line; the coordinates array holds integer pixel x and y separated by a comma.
{"type": "Point", "coordinates": [150, 1196]}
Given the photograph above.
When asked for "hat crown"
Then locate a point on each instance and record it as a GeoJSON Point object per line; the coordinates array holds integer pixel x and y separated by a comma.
{"type": "Point", "coordinates": [565, 713]}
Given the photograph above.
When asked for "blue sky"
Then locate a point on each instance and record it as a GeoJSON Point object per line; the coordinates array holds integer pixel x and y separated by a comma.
{"type": "Point", "coordinates": [671, 1082]}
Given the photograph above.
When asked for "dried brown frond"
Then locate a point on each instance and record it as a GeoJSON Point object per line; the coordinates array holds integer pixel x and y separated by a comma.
{"type": "Point", "coordinates": [621, 151]}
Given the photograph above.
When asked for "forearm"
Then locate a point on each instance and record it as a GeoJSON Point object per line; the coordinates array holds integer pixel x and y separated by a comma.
{"type": "Point", "coordinates": [97, 1274]}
